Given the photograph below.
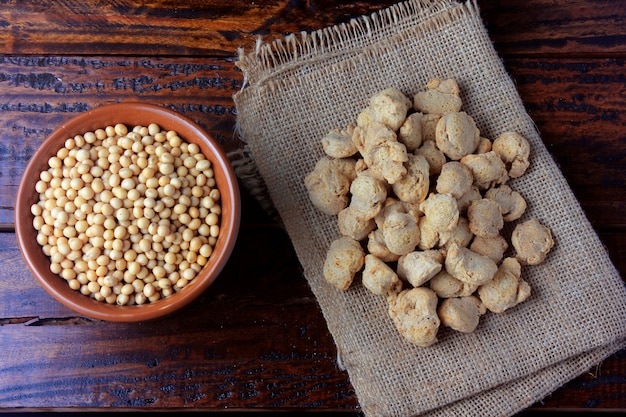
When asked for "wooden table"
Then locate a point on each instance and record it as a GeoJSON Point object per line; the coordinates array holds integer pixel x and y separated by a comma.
{"type": "Point", "coordinates": [257, 338]}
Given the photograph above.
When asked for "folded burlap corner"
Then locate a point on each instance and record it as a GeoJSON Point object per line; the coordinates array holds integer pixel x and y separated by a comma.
{"type": "Point", "coordinates": [300, 87]}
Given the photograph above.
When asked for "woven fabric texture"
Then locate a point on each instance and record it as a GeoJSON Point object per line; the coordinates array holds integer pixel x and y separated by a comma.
{"type": "Point", "coordinates": [300, 87]}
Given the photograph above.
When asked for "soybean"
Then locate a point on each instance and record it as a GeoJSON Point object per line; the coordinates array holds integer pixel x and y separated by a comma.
{"type": "Point", "coordinates": [127, 216]}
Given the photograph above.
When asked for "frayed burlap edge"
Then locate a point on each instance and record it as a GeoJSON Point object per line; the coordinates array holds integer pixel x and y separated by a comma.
{"type": "Point", "coordinates": [284, 55]}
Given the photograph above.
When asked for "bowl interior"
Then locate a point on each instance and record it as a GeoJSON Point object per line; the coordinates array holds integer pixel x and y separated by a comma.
{"type": "Point", "coordinates": [131, 114]}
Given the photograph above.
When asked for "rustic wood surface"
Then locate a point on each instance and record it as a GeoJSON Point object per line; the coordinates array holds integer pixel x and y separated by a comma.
{"type": "Point", "coordinates": [257, 338]}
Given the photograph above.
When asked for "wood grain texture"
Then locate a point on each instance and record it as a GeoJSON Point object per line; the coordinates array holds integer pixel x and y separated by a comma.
{"type": "Point", "coordinates": [579, 106]}
{"type": "Point", "coordinates": [126, 27]}
{"type": "Point", "coordinates": [257, 340]}
{"type": "Point", "coordinates": [37, 93]}
{"type": "Point", "coordinates": [545, 27]}
{"type": "Point", "coordinates": [184, 28]}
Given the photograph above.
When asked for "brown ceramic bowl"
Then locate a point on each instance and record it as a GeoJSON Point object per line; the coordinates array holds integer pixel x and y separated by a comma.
{"type": "Point", "coordinates": [131, 114]}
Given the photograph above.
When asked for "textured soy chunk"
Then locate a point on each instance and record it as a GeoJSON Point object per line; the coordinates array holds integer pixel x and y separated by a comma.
{"type": "Point", "coordinates": [380, 278]}
{"type": "Point", "coordinates": [414, 313]}
{"type": "Point", "coordinates": [514, 150]}
{"type": "Point", "coordinates": [329, 183]}
{"type": "Point", "coordinates": [344, 258]}
{"type": "Point", "coordinates": [532, 242]}
{"type": "Point", "coordinates": [468, 266]}
{"type": "Point", "coordinates": [457, 135]}
{"type": "Point", "coordinates": [507, 288]}
{"type": "Point", "coordinates": [461, 314]}
{"type": "Point", "coordinates": [441, 97]}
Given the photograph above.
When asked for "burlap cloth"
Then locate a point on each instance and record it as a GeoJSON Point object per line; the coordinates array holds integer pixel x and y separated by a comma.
{"type": "Point", "coordinates": [300, 87]}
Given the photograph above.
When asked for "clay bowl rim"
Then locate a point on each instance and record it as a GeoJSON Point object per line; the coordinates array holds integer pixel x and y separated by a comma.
{"type": "Point", "coordinates": [131, 114]}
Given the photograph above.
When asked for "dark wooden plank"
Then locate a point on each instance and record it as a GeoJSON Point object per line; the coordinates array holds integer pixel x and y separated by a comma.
{"type": "Point", "coordinates": [186, 27]}
{"type": "Point", "coordinates": [547, 27]}
{"type": "Point", "coordinates": [20, 295]}
{"type": "Point", "coordinates": [257, 337]}
{"type": "Point", "coordinates": [153, 365]}
{"type": "Point", "coordinates": [217, 28]}
{"type": "Point", "coordinates": [614, 242]}
{"type": "Point", "coordinates": [56, 87]}
{"type": "Point", "coordinates": [601, 388]}
{"type": "Point", "coordinates": [39, 93]}
{"type": "Point", "coordinates": [60, 57]}
{"type": "Point", "coordinates": [263, 256]}
{"type": "Point", "coordinates": [238, 308]}
{"type": "Point", "coordinates": [579, 107]}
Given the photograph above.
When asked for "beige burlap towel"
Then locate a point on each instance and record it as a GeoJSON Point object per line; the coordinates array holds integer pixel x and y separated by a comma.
{"type": "Point", "coordinates": [300, 87]}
